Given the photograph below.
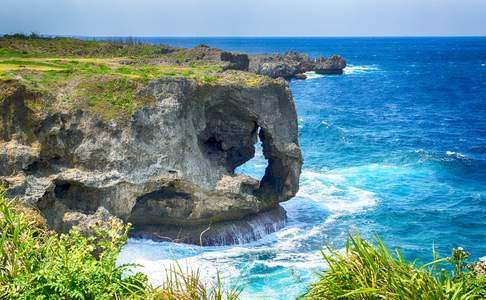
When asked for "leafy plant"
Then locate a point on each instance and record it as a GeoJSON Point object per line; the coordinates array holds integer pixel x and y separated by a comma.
{"type": "Point", "coordinates": [36, 263]}
{"type": "Point", "coordinates": [367, 271]}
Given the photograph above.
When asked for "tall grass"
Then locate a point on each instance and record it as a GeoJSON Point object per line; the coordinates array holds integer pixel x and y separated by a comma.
{"type": "Point", "coordinates": [372, 271]}
{"type": "Point", "coordinates": [36, 263]}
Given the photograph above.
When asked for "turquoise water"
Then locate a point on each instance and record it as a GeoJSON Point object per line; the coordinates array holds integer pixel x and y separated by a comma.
{"type": "Point", "coordinates": [396, 145]}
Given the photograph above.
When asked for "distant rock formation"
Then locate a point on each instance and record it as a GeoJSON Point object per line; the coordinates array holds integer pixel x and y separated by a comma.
{"type": "Point", "coordinates": [292, 63]}
{"type": "Point", "coordinates": [333, 65]}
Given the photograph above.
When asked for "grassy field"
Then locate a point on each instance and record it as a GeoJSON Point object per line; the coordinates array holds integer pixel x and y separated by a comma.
{"type": "Point", "coordinates": [102, 77]}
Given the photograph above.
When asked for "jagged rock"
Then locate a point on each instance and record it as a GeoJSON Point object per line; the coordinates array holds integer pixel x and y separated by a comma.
{"type": "Point", "coordinates": [292, 63]}
{"type": "Point", "coordinates": [333, 65]}
{"type": "Point", "coordinates": [171, 165]}
{"type": "Point", "coordinates": [242, 231]}
{"type": "Point", "coordinates": [276, 65]}
{"type": "Point", "coordinates": [300, 76]}
{"type": "Point", "coordinates": [202, 53]}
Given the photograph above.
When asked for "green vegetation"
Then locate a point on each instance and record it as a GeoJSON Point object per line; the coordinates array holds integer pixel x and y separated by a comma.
{"type": "Point", "coordinates": [367, 271]}
{"type": "Point", "coordinates": [34, 45]}
{"type": "Point", "coordinates": [105, 78]}
{"type": "Point", "coordinates": [36, 263]}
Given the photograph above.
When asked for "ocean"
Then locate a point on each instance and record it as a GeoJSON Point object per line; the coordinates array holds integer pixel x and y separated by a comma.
{"type": "Point", "coordinates": [395, 146]}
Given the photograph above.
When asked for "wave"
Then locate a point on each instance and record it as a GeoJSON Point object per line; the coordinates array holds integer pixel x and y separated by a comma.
{"type": "Point", "coordinates": [312, 75]}
{"type": "Point", "coordinates": [350, 69]}
{"type": "Point", "coordinates": [455, 154]}
{"type": "Point", "coordinates": [294, 250]}
{"type": "Point", "coordinates": [449, 157]}
{"type": "Point", "coordinates": [333, 192]}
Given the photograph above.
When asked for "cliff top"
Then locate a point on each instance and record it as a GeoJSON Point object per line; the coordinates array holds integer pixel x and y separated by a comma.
{"type": "Point", "coordinates": [107, 77]}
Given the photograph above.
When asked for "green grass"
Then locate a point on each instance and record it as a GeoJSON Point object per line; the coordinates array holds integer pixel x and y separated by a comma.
{"type": "Point", "coordinates": [367, 271]}
{"type": "Point", "coordinates": [102, 86]}
{"type": "Point", "coordinates": [47, 47]}
{"type": "Point", "coordinates": [63, 71]}
{"type": "Point", "coordinates": [36, 263]}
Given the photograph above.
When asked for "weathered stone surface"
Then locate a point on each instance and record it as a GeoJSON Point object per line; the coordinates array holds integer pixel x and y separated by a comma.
{"type": "Point", "coordinates": [292, 63]}
{"type": "Point", "coordinates": [242, 231]}
{"type": "Point", "coordinates": [171, 165]}
{"type": "Point", "coordinates": [200, 54]}
{"type": "Point", "coordinates": [333, 65]}
{"type": "Point", "coordinates": [300, 76]}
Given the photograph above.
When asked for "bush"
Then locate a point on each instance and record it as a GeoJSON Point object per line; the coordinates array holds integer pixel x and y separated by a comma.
{"type": "Point", "coordinates": [36, 263]}
{"type": "Point", "coordinates": [367, 271]}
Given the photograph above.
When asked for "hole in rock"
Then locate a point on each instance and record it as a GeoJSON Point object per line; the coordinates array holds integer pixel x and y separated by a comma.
{"type": "Point", "coordinates": [77, 196]}
{"type": "Point", "coordinates": [256, 166]}
{"type": "Point", "coordinates": [165, 202]}
{"type": "Point", "coordinates": [213, 147]}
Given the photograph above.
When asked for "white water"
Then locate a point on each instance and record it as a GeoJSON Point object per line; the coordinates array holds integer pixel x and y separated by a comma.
{"type": "Point", "coordinates": [287, 259]}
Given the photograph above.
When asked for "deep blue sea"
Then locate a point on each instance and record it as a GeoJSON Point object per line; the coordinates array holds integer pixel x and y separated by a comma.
{"type": "Point", "coordinates": [395, 146]}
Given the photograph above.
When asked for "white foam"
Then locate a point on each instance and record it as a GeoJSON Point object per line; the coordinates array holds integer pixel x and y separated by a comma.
{"type": "Point", "coordinates": [350, 69]}
{"type": "Point", "coordinates": [331, 192]}
{"type": "Point", "coordinates": [155, 263]}
{"type": "Point", "coordinates": [325, 123]}
{"type": "Point", "coordinates": [456, 154]}
{"type": "Point", "coordinates": [312, 75]}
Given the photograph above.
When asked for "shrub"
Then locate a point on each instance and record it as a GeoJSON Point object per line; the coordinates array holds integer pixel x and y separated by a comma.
{"type": "Point", "coordinates": [36, 263]}
{"type": "Point", "coordinates": [367, 271]}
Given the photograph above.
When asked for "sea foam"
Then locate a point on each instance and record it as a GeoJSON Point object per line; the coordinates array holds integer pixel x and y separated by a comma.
{"type": "Point", "coordinates": [350, 69]}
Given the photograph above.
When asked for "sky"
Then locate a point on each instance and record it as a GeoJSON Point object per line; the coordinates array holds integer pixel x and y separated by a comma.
{"type": "Point", "coordinates": [245, 17]}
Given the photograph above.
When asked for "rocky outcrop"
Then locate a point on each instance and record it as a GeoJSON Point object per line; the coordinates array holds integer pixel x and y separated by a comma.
{"type": "Point", "coordinates": [227, 60]}
{"type": "Point", "coordinates": [169, 168]}
{"type": "Point", "coordinates": [200, 54]}
{"type": "Point", "coordinates": [292, 63]}
{"type": "Point", "coordinates": [333, 65]}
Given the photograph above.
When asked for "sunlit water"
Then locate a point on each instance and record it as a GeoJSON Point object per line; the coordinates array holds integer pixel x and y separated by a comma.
{"type": "Point", "coordinates": [396, 146]}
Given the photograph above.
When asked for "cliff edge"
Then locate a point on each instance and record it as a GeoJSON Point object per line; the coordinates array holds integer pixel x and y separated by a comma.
{"type": "Point", "coordinates": [85, 138]}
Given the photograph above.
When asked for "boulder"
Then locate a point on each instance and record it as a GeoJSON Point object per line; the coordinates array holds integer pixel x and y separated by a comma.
{"type": "Point", "coordinates": [333, 65]}
{"type": "Point", "coordinates": [291, 64]}
{"type": "Point", "coordinates": [300, 76]}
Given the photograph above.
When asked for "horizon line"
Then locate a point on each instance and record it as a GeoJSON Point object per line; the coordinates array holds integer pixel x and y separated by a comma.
{"type": "Point", "coordinates": [253, 36]}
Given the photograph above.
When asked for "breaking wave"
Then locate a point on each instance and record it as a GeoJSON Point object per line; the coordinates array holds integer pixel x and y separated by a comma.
{"type": "Point", "coordinates": [350, 69]}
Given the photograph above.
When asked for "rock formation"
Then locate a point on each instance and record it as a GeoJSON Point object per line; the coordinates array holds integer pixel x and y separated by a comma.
{"type": "Point", "coordinates": [293, 63]}
{"type": "Point", "coordinates": [169, 169]}
{"type": "Point", "coordinates": [201, 54]}
{"type": "Point", "coordinates": [333, 65]}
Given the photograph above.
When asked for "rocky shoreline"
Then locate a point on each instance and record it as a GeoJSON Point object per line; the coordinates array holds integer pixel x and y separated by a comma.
{"type": "Point", "coordinates": [168, 167]}
{"type": "Point", "coordinates": [294, 65]}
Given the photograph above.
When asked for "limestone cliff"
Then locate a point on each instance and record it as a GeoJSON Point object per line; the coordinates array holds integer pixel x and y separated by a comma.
{"type": "Point", "coordinates": [169, 168]}
{"type": "Point", "coordinates": [294, 64]}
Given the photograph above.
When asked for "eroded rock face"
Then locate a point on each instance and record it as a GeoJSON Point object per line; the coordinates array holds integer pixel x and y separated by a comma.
{"type": "Point", "coordinates": [293, 64]}
{"type": "Point", "coordinates": [333, 65]}
{"type": "Point", "coordinates": [200, 54]}
{"type": "Point", "coordinates": [171, 165]}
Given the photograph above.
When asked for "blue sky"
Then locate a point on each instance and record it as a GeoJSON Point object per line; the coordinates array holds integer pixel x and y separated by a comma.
{"type": "Point", "coordinates": [245, 18]}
